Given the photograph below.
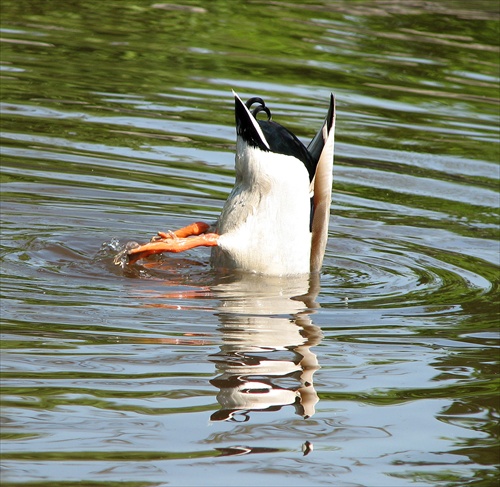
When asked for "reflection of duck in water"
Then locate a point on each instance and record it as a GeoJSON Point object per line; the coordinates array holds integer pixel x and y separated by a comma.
{"type": "Point", "coordinates": [275, 220]}
{"type": "Point", "coordinates": [265, 362]}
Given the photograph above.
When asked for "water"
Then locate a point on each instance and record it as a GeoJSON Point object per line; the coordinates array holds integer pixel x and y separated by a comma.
{"type": "Point", "coordinates": [117, 121]}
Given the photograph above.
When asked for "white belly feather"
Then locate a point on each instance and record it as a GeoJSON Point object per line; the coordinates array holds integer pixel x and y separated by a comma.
{"type": "Point", "coordinates": [264, 226]}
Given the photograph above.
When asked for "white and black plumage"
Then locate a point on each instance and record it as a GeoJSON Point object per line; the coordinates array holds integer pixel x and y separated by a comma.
{"type": "Point", "coordinates": [275, 221]}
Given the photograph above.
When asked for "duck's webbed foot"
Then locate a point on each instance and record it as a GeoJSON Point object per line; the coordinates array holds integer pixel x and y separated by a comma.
{"type": "Point", "coordinates": [178, 241]}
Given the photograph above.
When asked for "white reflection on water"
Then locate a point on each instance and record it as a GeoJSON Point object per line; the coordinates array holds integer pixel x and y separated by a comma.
{"type": "Point", "coordinates": [265, 361]}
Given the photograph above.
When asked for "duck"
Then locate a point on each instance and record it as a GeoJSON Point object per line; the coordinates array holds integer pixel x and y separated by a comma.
{"type": "Point", "coordinates": [275, 220]}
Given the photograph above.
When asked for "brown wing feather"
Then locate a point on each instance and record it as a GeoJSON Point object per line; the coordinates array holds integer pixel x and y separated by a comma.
{"type": "Point", "coordinates": [322, 185]}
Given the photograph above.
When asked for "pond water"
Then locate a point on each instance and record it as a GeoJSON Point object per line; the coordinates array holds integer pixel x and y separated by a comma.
{"type": "Point", "coordinates": [117, 122]}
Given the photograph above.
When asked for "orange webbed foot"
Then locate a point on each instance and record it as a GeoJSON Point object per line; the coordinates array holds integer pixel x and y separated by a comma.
{"type": "Point", "coordinates": [183, 239]}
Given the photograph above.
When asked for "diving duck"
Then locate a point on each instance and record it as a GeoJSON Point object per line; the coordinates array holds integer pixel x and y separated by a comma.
{"type": "Point", "coordinates": [275, 220]}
